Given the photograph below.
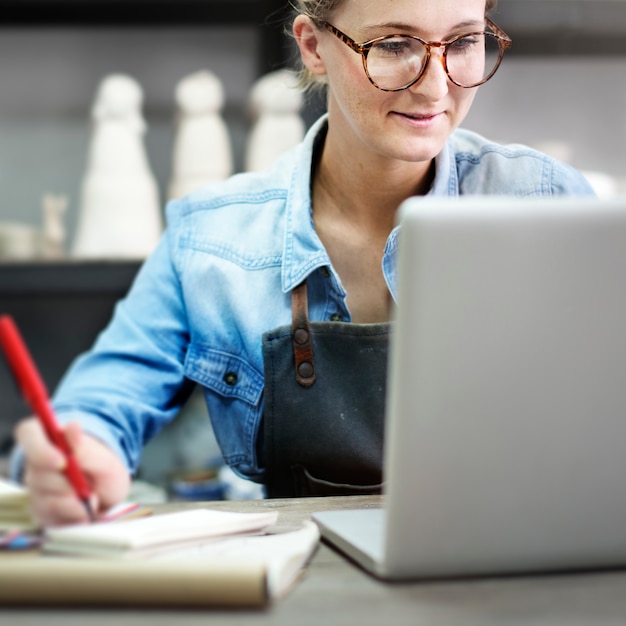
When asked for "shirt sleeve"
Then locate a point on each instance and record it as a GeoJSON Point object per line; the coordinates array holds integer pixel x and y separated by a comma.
{"type": "Point", "coordinates": [567, 180]}
{"type": "Point", "coordinates": [131, 383]}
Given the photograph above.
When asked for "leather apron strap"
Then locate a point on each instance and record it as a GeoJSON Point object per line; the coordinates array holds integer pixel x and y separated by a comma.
{"type": "Point", "coordinates": [324, 405]}
{"type": "Point", "coordinates": [301, 335]}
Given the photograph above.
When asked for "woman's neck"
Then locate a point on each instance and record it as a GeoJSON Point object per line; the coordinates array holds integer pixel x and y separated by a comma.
{"type": "Point", "coordinates": [354, 210]}
{"type": "Point", "coordinates": [366, 192]}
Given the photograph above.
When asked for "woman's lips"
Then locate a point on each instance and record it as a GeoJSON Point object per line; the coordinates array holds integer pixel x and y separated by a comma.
{"type": "Point", "coordinates": [420, 120]}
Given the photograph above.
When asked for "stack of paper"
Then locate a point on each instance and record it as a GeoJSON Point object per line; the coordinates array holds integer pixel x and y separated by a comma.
{"type": "Point", "coordinates": [14, 508]}
{"type": "Point", "coordinates": [196, 557]}
{"type": "Point", "coordinates": [143, 537]}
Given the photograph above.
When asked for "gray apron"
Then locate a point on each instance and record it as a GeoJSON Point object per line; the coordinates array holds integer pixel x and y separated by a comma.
{"type": "Point", "coordinates": [324, 405]}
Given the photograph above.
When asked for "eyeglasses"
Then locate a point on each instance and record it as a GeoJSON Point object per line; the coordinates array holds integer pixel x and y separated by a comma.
{"type": "Point", "coordinates": [395, 62]}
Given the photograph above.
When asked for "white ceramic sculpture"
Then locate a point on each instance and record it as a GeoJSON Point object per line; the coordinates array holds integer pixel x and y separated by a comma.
{"type": "Point", "coordinates": [120, 211]}
{"type": "Point", "coordinates": [202, 148]}
{"type": "Point", "coordinates": [275, 104]}
{"type": "Point", "coordinates": [54, 208]}
{"type": "Point", "coordinates": [24, 242]}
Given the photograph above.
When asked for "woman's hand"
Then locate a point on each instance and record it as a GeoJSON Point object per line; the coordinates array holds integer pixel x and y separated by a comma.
{"type": "Point", "coordinates": [53, 501]}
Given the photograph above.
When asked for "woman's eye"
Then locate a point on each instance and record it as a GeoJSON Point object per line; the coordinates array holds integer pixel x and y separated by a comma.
{"type": "Point", "coordinates": [464, 44]}
{"type": "Point", "coordinates": [392, 46]}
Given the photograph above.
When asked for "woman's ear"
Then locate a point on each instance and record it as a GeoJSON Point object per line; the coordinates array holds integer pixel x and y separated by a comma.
{"type": "Point", "coordinates": [306, 36]}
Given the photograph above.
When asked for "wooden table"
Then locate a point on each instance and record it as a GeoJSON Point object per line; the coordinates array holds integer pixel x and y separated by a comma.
{"type": "Point", "coordinates": [334, 592]}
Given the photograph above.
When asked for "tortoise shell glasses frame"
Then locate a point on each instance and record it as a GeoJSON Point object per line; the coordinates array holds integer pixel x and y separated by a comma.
{"type": "Point", "coordinates": [495, 34]}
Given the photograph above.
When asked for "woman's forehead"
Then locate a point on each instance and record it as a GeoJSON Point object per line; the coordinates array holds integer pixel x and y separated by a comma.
{"type": "Point", "coordinates": [432, 15]}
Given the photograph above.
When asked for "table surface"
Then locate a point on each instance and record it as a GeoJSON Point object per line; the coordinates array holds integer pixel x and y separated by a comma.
{"type": "Point", "coordinates": [335, 592]}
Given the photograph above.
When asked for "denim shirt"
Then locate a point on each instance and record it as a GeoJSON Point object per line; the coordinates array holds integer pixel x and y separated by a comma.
{"type": "Point", "coordinates": [222, 275]}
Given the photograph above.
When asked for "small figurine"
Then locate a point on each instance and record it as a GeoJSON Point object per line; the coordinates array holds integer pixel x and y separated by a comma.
{"type": "Point", "coordinates": [202, 148]}
{"type": "Point", "coordinates": [275, 104]}
{"type": "Point", "coordinates": [54, 208]}
{"type": "Point", "coordinates": [120, 212]}
{"type": "Point", "coordinates": [24, 242]}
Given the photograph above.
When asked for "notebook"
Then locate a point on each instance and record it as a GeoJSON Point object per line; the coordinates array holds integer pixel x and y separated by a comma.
{"type": "Point", "coordinates": [189, 558]}
{"type": "Point", "coordinates": [155, 534]}
{"type": "Point", "coordinates": [505, 440]}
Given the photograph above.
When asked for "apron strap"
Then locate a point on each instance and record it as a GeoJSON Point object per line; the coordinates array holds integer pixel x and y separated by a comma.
{"type": "Point", "coordinates": [301, 336]}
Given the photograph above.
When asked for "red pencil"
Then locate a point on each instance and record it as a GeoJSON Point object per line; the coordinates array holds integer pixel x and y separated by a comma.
{"type": "Point", "coordinates": [34, 391]}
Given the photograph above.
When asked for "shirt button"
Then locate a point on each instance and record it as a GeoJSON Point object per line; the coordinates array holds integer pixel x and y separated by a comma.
{"type": "Point", "coordinates": [336, 317]}
{"type": "Point", "coordinates": [230, 378]}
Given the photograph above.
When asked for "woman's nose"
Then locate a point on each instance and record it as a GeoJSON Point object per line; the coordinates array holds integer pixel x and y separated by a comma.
{"type": "Point", "coordinates": [434, 82]}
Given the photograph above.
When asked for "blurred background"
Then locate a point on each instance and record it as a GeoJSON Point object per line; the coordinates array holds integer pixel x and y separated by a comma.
{"type": "Point", "coordinates": [561, 88]}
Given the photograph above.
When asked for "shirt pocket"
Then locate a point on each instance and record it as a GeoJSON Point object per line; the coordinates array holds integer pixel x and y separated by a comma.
{"type": "Point", "coordinates": [226, 374]}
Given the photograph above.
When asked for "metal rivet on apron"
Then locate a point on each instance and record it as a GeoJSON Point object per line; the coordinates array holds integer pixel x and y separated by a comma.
{"type": "Point", "coordinates": [230, 378]}
{"type": "Point", "coordinates": [301, 336]}
{"type": "Point", "coordinates": [335, 317]}
{"type": "Point", "coordinates": [305, 369]}
{"type": "Point", "coordinates": [325, 272]}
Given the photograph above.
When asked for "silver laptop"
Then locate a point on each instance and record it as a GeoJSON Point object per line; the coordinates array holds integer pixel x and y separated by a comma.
{"type": "Point", "coordinates": [505, 445]}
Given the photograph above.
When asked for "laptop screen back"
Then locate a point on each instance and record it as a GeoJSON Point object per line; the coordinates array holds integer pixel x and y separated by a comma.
{"type": "Point", "coordinates": [506, 441]}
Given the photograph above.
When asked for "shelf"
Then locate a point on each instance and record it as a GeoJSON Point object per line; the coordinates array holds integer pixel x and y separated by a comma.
{"type": "Point", "coordinates": [564, 27]}
{"type": "Point", "coordinates": [266, 15]}
{"type": "Point", "coordinates": [585, 16]}
{"type": "Point", "coordinates": [65, 277]}
{"type": "Point", "coordinates": [537, 26]}
{"type": "Point", "coordinates": [119, 12]}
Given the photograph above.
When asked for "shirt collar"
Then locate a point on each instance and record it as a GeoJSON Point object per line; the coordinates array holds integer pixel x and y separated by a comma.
{"type": "Point", "coordinates": [446, 182]}
{"type": "Point", "coordinates": [303, 251]}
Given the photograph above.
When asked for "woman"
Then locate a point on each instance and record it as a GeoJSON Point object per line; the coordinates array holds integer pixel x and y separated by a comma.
{"type": "Point", "coordinates": [273, 290]}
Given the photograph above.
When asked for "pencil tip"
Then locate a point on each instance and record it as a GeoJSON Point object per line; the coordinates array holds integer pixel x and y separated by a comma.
{"type": "Point", "coordinates": [90, 511]}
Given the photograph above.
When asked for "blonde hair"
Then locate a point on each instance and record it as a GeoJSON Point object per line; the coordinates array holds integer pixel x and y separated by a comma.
{"type": "Point", "coordinates": [319, 11]}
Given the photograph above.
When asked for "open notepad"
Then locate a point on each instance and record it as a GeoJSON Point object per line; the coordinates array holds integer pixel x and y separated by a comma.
{"type": "Point", "coordinates": [197, 557]}
{"type": "Point", "coordinates": [151, 535]}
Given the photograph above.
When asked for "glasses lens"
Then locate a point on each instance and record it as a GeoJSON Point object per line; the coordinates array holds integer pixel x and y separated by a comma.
{"type": "Point", "coordinates": [394, 62]}
{"type": "Point", "coordinates": [473, 58]}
